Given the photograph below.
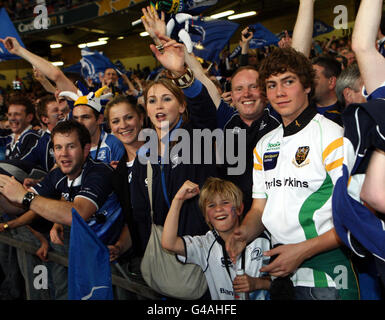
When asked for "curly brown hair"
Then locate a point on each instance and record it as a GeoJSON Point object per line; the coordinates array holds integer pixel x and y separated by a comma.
{"type": "Point", "coordinates": [282, 60]}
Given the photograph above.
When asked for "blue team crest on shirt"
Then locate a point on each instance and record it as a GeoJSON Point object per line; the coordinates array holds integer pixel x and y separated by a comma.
{"type": "Point", "coordinates": [102, 155]}
{"type": "Point", "coordinates": [270, 160]}
{"type": "Point", "coordinates": [66, 196]}
{"type": "Point", "coordinates": [229, 263]}
{"type": "Point", "coordinates": [256, 254]}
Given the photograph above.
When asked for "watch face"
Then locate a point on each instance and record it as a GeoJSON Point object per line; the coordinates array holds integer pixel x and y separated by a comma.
{"type": "Point", "coordinates": [28, 197]}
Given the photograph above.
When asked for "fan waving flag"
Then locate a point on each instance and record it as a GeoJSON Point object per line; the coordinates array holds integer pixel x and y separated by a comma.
{"type": "Point", "coordinates": [7, 29]}
{"type": "Point", "coordinates": [89, 271]}
{"type": "Point", "coordinates": [262, 37]}
{"type": "Point", "coordinates": [92, 63]}
{"type": "Point", "coordinates": [210, 37]}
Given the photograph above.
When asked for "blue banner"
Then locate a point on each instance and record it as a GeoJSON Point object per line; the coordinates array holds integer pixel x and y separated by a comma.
{"type": "Point", "coordinates": [210, 37]}
{"type": "Point", "coordinates": [75, 68]}
{"type": "Point", "coordinates": [89, 271]}
{"type": "Point", "coordinates": [262, 37]}
{"type": "Point", "coordinates": [93, 63]}
{"type": "Point", "coordinates": [7, 29]}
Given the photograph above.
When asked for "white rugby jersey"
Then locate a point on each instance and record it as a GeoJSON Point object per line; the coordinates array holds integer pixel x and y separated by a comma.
{"type": "Point", "coordinates": [296, 168]}
{"type": "Point", "coordinates": [207, 252]}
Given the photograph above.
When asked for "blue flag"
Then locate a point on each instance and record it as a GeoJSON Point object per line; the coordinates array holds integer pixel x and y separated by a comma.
{"type": "Point", "coordinates": [321, 28]}
{"type": "Point", "coordinates": [89, 271]}
{"type": "Point", "coordinates": [262, 37]}
{"type": "Point", "coordinates": [7, 29]}
{"type": "Point", "coordinates": [210, 37]}
{"type": "Point", "coordinates": [92, 63]}
{"type": "Point", "coordinates": [75, 68]}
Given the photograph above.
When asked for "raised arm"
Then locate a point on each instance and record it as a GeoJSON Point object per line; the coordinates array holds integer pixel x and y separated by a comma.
{"type": "Point", "coordinates": [43, 81]}
{"type": "Point", "coordinates": [47, 68]}
{"type": "Point", "coordinates": [370, 61]}
{"type": "Point", "coordinates": [303, 29]}
{"type": "Point", "coordinates": [152, 23]}
{"type": "Point", "coordinates": [199, 74]}
{"type": "Point", "coordinates": [170, 239]}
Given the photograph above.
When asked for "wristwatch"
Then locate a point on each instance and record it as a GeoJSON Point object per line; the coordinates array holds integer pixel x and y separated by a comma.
{"type": "Point", "coordinates": [28, 197]}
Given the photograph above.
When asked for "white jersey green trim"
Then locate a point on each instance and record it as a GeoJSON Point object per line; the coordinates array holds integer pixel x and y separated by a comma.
{"type": "Point", "coordinates": [296, 173]}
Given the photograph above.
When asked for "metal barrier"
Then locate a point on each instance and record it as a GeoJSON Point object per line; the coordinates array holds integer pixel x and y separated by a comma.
{"type": "Point", "coordinates": [132, 284]}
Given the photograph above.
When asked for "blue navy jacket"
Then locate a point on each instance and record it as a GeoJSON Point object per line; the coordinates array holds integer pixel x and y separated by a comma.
{"type": "Point", "coordinates": [42, 153]}
{"type": "Point", "coordinates": [191, 221]}
{"type": "Point", "coordinates": [27, 140]}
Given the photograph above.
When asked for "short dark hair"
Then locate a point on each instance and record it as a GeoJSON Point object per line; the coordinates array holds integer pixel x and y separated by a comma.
{"type": "Point", "coordinates": [282, 60]}
{"type": "Point", "coordinates": [24, 101]}
{"type": "Point", "coordinates": [41, 109]}
{"type": "Point", "coordinates": [69, 126]}
{"type": "Point", "coordinates": [332, 67]}
{"type": "Point", "coordinates": [344, 62]}
{"type": "Point", "coordinates": [94, 111]}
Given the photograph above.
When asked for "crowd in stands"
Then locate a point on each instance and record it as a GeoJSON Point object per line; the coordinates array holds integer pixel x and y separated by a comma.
{"type": "Point", "coordinates": [71, 143]}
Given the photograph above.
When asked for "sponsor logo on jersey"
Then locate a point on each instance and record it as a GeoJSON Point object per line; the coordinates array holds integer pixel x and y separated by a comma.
{"type": "Point", "coordinates": [51, 152]}
{"type": "Point", "coordinates": [273, 146]}
{"type": "Point", "coordinates": [300, 157]}
{"type": "Point", "coordinates": [270, 160]}
{"type": "Point", "coordinates": [286, 182]}
{"type": "Point", "coordinates": [227, 292]}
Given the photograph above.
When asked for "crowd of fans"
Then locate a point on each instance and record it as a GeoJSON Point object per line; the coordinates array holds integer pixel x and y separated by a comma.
{"type": "Point", "coordinates": [291, 103]}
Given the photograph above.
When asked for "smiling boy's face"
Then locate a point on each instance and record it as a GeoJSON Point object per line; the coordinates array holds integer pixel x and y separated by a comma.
{"type": "Point", "coordinates": [222, 215]}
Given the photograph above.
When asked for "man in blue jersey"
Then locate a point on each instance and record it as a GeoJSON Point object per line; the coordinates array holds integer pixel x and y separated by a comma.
{"type": "Point", "coordinates": [105, 147]}
{"type": "Point", "coordinates": [327, 70]}
{"type": "Point", "coordinates": [17, 142]}
{"type": "Point", "coordinates": [22, 137]}
{"type": "Point", "coordinates": [42, 153]}
{"type": "Point", "coordinates": [79, 182]}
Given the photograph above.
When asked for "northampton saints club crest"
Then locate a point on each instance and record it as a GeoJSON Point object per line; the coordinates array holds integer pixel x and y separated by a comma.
{"type": "Point", "coordinates": [300, 157]}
